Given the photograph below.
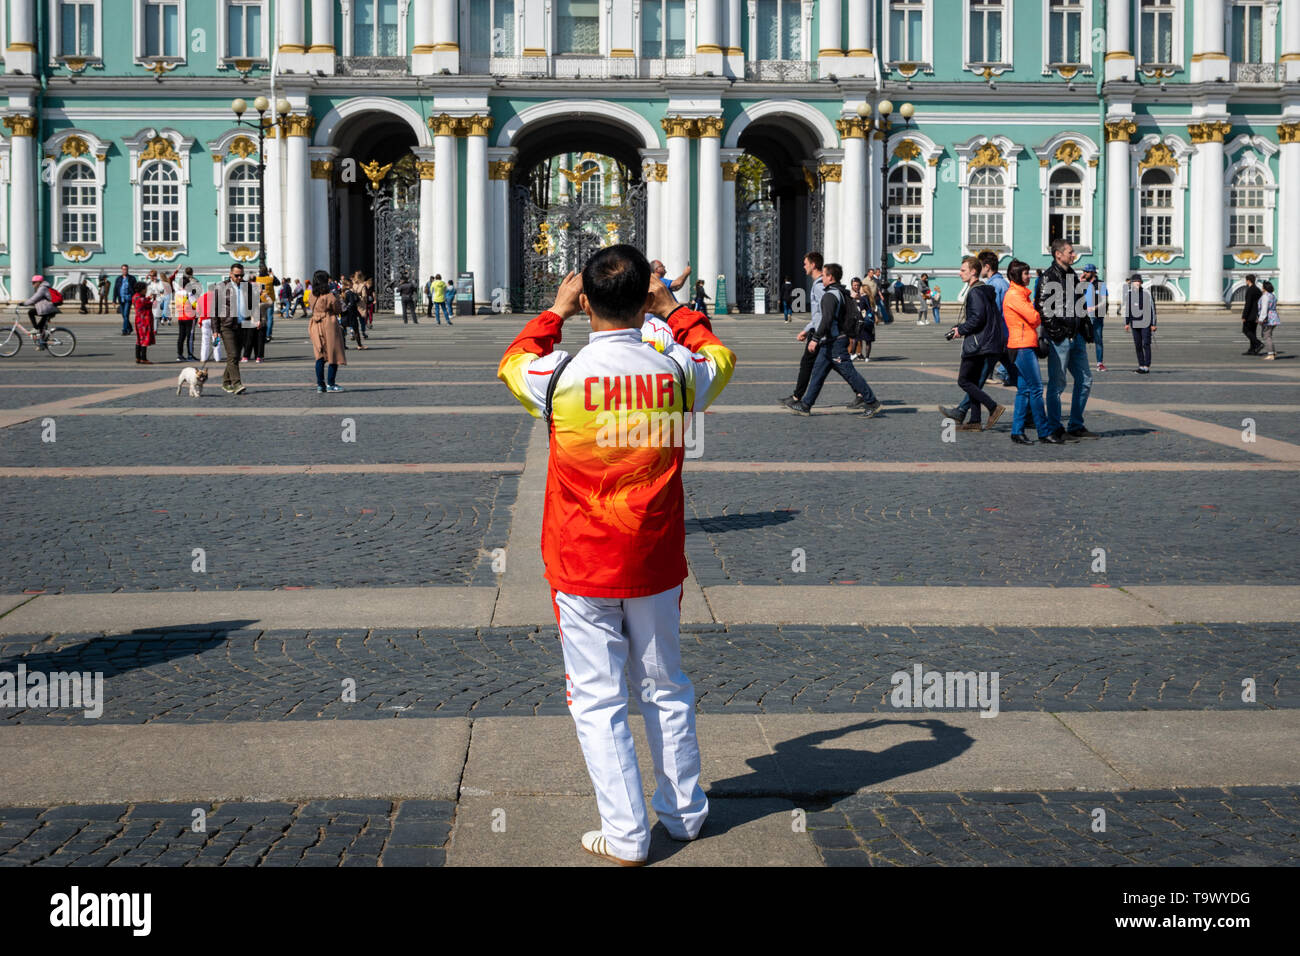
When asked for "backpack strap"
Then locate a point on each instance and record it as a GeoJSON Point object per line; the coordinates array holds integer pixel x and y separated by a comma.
{"type": "Point", "coordinates": [549, 408]}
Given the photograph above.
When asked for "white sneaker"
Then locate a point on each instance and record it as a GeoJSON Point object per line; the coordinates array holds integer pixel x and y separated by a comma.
{"type": "Point", "coordinates": [593, 841]}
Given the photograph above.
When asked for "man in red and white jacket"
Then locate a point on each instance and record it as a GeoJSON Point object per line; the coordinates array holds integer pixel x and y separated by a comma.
{"type": "Point", "coordinates": [613, 532]}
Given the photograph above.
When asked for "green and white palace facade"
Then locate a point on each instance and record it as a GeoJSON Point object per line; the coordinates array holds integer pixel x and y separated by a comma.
{"type": "Point", "coordinates": [509, 137]}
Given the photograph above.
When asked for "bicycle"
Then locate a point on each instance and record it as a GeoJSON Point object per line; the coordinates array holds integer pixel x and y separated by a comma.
{"type": "Point", "coordinates": [56, 340]}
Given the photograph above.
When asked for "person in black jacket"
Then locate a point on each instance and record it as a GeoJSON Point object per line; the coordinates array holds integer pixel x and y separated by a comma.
{"type": "Point", "coordinates": [830, 343]}
{"type": "Point", "coordinates": [1250, 315]}
{"type": "Point", "coordinates": [1060, 299]}
{"type": "Point", "coordinates": [984, 334]}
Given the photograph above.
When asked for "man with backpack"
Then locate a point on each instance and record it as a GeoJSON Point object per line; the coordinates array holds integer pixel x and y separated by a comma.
{"type": "Point", "coordinates": [840, 321]}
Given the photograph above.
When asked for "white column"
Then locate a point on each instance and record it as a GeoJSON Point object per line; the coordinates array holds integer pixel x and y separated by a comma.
{"type": "Point", "coordinates": [477, 211]}
{"type": "Point", "coordinates": [860, 55]}
{"type": "Point", "coordinates": [677, 238]}
{"type": "Point", "coordinates": [322, 174]}
{"type": "Point", "coordinates": [500, 169]}
{"type": "Point", "coordinates": [445, 183]}
{"type": "Point", "coordinates": [1209, 59]}
{"type": "Point", "coordinates": [23, 184]}
{"type": "Point", "coordinates": [875, 227]}
{"type": "Point", "coordinates": [297, 189]}
{"type": "Point", "coordinates": [1120, 63]}
{"type": "Point", "coordinates": [735, 39]}
{"type": "Point", "coordinates": [653, 205]}
{"type": "Point", "coordinates": [320, 55]}
{"type": "Point", "coordinates": [730, 157]}
{"type": "Point", "coordinates": [537, 37]}
{"type": "Point", "coordinates": [853, 197]}
{"type": "Point", "coordinates": [1288, 200]}
{"type": "Point", "coordinates": [710, 217]}
{"type": "Point", "coordinates": [275, 226]}
{"type": "Point", "coordinates": [422, 46]}
{"type": "Point", "coordinates": [21, 52]}
{"type": "Point", "coordinates": [830, 49]}
{"type": "Point", "coordinates": [1119, 211]}
{"type": "Point", "coordinates": [1206, 234]}
{"type": "Point", "coordinates": [446, 40]}
{"type": "Point", "coordinates": [708, 38]}
{"type": "Point", "coordinates": [830, 174]}
{"type": "Point", "coordinates": [292, 34]}
{"type": "Point", "coordinates": [426, 167]}
{"type": "Point", "coordinates": [1290, 52]}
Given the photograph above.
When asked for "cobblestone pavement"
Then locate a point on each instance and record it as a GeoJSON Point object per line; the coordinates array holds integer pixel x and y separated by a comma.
{"type": "Point", "coordinates": [138, 534]}
{"type": "Point", "coordinates": [1239, 826]}
{"type": "Point", "coordinates": [1023, 530]}
{"type": "Point", "coordinates": [316, 833]}
{"type": "Point", "coordinates": [1284, 426]}
{"type": "Point", "coordinates": [266, 440]}
{"type": "Point", "coordinates": [216, 674]}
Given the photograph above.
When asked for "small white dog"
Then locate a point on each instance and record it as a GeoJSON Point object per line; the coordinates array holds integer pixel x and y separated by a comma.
{"type": "Point", "coordinates": [194, 378]}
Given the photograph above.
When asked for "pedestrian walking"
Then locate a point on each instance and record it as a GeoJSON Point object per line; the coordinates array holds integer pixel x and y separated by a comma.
{"type": "Point", "coordinates": [935, 296]}
{"type": "Point", "coordinates": [984, 336]}
{"type": "Point", "coordinates": [923, 301]}
{"type": "Point", "coordinates": [440, 305]}
{"type": "Point", "coordinates": [862, 297]}
{"type": "Point", "coordinates": [1094, 298]}
{"type": "Point", "coordinates": [996, 281]}
{"type": "Point", "coordinates": [105, 289]}
{"type": "Point", "coordinates": [787, 298]}
{"type": "Point", "coordinates": [829, 344]}
{"type": "Point", "coordinates": [326, 338]}
{"type": "Point", "coordinates": [123, 294]}
{"type": "Point", "coordinates": [186, 306]}
{"type": "Point", "coordinates": [350, 303]}
{"type": "Point", "coordinates": [1140, 319]}
{"type": "Point", "coordinates": [1268, 319]}
{"type": "Point", "coordinates": [1065, 320]}
{"type": "Point", "coordinates": [812, 267]}
{"type": "Point", "coordinates": [428, 299]}
{"type": "Point", "coordinates": [407, 290]}
{"type": "Point", "coordinates": [1023, 325]}
{"type": "Point", "coordinates": [234, 302]}
{"type": "Point", "coordinates": [898, 296]}
{"type": "Point", "coordinates": [1250, 316]}
{"type": "Point", "coordinates": [208, 332]}
{"type": "Point", "coordinates": [700, 298]}
{"type": "Point", "coordinates": [614, 531]}
{"type": "Point", "coordinates": [84, 294]}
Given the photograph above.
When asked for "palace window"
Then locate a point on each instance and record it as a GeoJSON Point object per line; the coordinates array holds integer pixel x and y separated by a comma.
{"type": "Point", "coordinates": [78, 205]}
{"type": "Point", "coordinates": [663, 29]}
{"type": "Point", "coordinates": [492, 28]}
{"type": "Point", "coordinates": [77, 28]}
{"type": "Point", "coordinates": [1156, 25]}
{"type": "Point", "coordinates": [779, 25]}
{"type": "Point", "coordinates": [593, 187]}
{"type": "Point", "coordinates": [162, 28]}
{"type": "Point", "coordinates": [1248, 33]}
{"type": "Point", "coordinates": [242, 224]}
{"type": "Point", "coordinates": [1065, 32]}
{"type": "Point", "coordinates": [244, 29]}
{"type": "Point", "coordinates": [984, 35]}
{"type": "Point", "coordinates": [906, 207]}
{"type": "Point", "coordinates": [577, 27]}
{"type": "Point", "coordinates": [1156, 212]}
{"type": "Point", "coordinates": [907, 31]}
{"type": "Point", "coordinates": [1065, 207]}
{"type": "Point", "coordinates": [987, 208]}
{"type": "Point", "coordinates": [160, 206]}
{"type": "Point", "coordinates": [1248, 198]}
{"type": "Point", "coordinates": [375, 28]}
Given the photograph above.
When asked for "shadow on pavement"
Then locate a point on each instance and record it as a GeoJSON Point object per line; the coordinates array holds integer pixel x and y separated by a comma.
{"type": "Point", "coordinates": [741, 522]}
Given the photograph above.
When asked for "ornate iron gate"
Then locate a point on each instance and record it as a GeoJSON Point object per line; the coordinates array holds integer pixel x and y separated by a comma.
{"type": "Point", "coordinates": [397, 240]}
{"type": "Point", "coordinates": [560, 237]}
{"type": "Point", "coordinates": [758, 254]}
{"type": "Point", "coordinates": [817, 217]}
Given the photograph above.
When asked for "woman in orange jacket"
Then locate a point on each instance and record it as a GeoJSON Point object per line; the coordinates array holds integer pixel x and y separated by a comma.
{"type": "Point", "coordinates": [1023, 321]}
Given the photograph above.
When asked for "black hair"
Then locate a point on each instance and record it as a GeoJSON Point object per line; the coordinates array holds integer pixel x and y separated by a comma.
{"type": "Point", "coordinates": [320, 283]}
{"type": "Point", "coordinates": [142, 287]}
{"type": "Point", "coordinates": [1017, 271]}
{"type": "Point", "coordinates": [1268, 286]}
{"type": "Point", "coordinates": [616, 281]}
{"type": "Point", "coordinates": [836, 271]}
{"type": "Point", "coordinates": [816, 259]}
{"type": "Point", "coordinates": [989, 258]}
{"type": "Point", "coordinates": [1059, 244]}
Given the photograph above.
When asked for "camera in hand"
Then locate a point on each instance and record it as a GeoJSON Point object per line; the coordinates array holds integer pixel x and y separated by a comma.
{"type": "Point", "coordinates": [951, 334]}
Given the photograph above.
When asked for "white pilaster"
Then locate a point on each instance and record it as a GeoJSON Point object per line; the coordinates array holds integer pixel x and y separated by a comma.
{"type": "Point", "coordinates": [1206, 234]}
{"type": "Point", "coordinates": [710, 215]}
{"type": "Point", "coordinates": [709, 52]}
{"type": "Point", "coordinates": [297, 189]}
{"type": "Point", "coordinates": [273, 230]}
{"type": "Point", "coordinates": [23, 184]}
{"type": "Point", "coordinates": [730, 157]}
{"type": "Point", "coordinates": [477, 211]}
{"type": "Point", "coordinates": [735, 39]}
{"type": "Point", "coordinates": [1288, 198]}
{"type": "Point", "coordinates": [830, 47]}
{"type": "Point", "coordinates": [422, 46]}
{"type": "Point", "coordinates": [322, 175]}
{"type": "Point", "coordinates": [676, 235]}
{"type": "Point", "coordinates": [445, 201]}
{"type": "Point", "coordinates": [861, 59]}
{"type": "Point", "coordinates": [831, 248]}
{"type": "Point", "coordinates": [20, 55]}
{"type": "Point", "coordinates": [1120, 62]}
{"type": "Point", "coordinates": [293, 37]}
{"type": "Point", "coordinates": [652, 161]}
{"type": "Point", "coordinates": [446, 44]}
{"type": "Point", "coordinates": [1290, 53]}
{"type": "Point", "coordinates": [500, 169]}
{"type": "Point", "coordinates": [853, 197]}
{"type": "Point", "coordinates": [320, 55]}
{"type": "Point", "coordinates": [1119, 234]}
{"type": "Point", "coordinates": [1209, 59]}
{"type": "Point", "coordinates": [426, 167]}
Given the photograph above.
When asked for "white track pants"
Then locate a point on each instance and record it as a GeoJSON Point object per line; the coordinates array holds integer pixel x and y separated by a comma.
{"type": "Point", "coordinates": [209, 347]}
{"type": "Point", "coordinates": [600, 636]}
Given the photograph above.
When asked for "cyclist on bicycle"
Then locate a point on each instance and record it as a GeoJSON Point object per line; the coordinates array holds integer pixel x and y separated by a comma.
{"type": "Point", "coordinates": [43, 308]}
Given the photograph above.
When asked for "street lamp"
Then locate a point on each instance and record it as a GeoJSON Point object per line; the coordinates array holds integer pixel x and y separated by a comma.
{"type": "Point", "coordinates": [883, 125]}
{"type": "Point", "coordinates": [239, 107]}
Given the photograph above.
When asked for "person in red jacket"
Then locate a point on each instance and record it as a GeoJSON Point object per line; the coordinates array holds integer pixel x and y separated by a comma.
{"type": "Point", "coordinates": [142, 303]}
{"type": "Point", "coordinates": [613, 529]}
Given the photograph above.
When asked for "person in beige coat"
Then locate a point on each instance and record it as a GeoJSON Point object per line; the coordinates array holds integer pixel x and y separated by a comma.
{"type": "Point", "coordinates": [326, 336]}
